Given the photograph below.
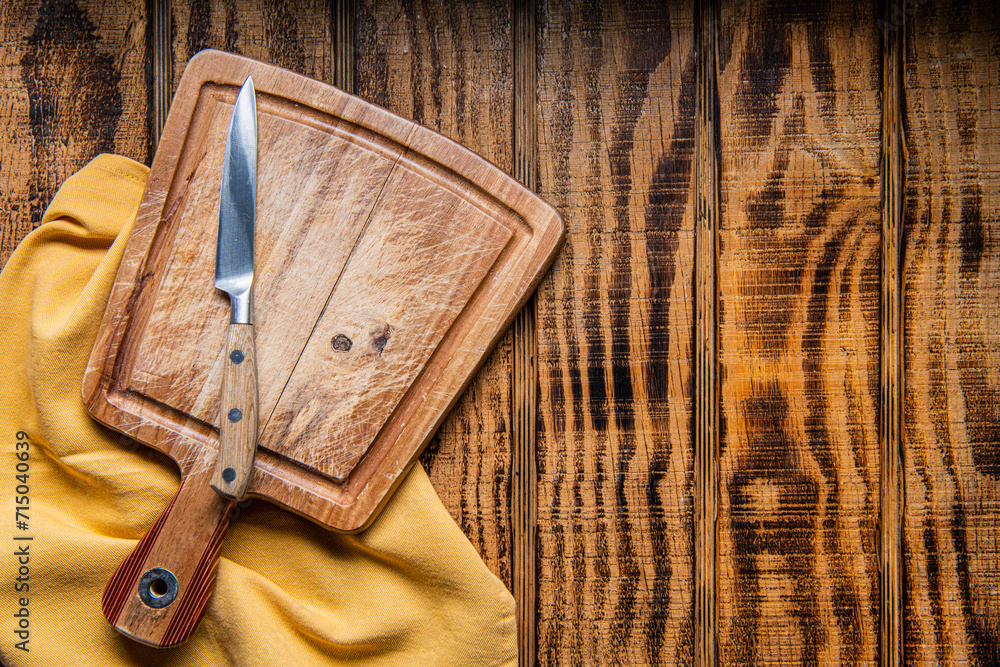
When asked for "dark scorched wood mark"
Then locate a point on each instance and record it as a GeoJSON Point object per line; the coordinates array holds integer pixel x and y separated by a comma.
{"type": "Point", "coordinates": [199, 26]}
{"type": "Point", "coordinates": [417, 66]}
{"type": "Point", "coordinates": [807, 508]}
{"type": "Point", "coordinates": [982, 400]}
{"type": "Point", "coordinates": [232, 36]}
{"type": "Point", "coordinates": [372, 65]}
{"type": "Point", "coordinates": [764, 64]}
{"type": "Point", "coordinates": [73, 91]}
{"type": "Point", "coordinates": [784, 530]}
{"type": "Point", "coordinates": [199, 33]}
{"type": "Point", "coordinates": [591, 52]}
{"type": "Point", "coordinates": [281, 31]}
{"type": "Point", "coordinates": [649, 46]}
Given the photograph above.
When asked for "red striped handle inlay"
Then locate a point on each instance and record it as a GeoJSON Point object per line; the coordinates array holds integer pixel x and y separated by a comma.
{"type": "Point", "coordinates": [185, 541]}
{"type": "Point", "coordinates": [127, 575]}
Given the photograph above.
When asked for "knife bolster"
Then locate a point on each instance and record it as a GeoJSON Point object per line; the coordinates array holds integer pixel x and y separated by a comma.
{"type": "Point", "coordinates": [240, 307]}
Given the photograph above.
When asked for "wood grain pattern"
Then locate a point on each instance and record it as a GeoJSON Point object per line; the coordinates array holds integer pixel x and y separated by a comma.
{"type": "Point", "coordinates": [891, 458]}
{"type": "Point", "coordinates": [294, 34]}
{"type": "Point", "coordinates": [615, 329]}
{"type": "Point", "coordinates": [951, 419]}
{"type": "Point", "coordinates": [345, 43]}
{"type": "Point", "coordinates": [524, 357]}
{"type": "Point", "coordinates": [448, 66]}
{"type": "Point", "coordinates": [239, 413]}
{"type": "Point", "coordinates": [798, 570]}
{"type": "Point", "coordinates": [72, 86]}
{"type": "Point", "coordinates": [443, 249]}
{"type": "Point", "coordinates": [161, 76]}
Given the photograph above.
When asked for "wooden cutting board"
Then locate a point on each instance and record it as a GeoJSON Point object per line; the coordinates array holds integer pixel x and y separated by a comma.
{"type": "Point", "coordinates": [389, 261]}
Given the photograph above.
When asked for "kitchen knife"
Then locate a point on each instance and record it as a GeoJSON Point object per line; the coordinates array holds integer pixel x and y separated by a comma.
{"type": "Point", "coordinates": [234, 275]}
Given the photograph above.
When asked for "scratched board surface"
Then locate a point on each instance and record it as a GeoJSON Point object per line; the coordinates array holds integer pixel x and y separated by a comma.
{"type": "Point", "coordinates": [615, 129]}
{"type": "Point", "coordinates": [952, 335]}
{"type": "Point", "coordinates": [798, 311]}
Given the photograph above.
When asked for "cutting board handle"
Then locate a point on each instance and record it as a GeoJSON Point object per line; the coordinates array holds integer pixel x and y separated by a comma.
{"type": "Point", "coordinates": [158, 595]}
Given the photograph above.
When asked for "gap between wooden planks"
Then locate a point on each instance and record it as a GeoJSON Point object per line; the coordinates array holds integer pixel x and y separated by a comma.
{"type": "Point", "coordinates": [892, 497]}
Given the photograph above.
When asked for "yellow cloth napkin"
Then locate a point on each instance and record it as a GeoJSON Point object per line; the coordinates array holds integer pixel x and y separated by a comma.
{"type": "Point", "coordinates": [410, 590]}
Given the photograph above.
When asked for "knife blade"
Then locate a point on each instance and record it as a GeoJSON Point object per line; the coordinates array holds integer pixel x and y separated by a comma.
{"type": "Point", "coordinates": [234, 260]}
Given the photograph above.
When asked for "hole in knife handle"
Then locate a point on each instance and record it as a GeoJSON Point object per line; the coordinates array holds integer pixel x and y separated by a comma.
{"type": "Point", "coordinates": [158, 588]}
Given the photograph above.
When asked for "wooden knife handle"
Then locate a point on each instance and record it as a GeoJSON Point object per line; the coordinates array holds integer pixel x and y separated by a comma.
{"type": "Point", "coordinates": [158, 595]}
{"type": "Point", "coordinates": [238, 419]}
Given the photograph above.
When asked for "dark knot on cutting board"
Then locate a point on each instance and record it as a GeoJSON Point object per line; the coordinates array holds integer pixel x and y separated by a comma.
{"type": "Point", "coordinates": [379, 337]}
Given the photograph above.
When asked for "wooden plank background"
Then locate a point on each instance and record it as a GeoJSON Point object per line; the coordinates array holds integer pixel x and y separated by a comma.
{"type": "Point", "coordinates": [570, 461]}
{"type": "Point", "coordinates": [952, 335]}
{"type": "Point", "coordinates": [615, 149]}
{"type": "Point", "coordinates": [800, 227]}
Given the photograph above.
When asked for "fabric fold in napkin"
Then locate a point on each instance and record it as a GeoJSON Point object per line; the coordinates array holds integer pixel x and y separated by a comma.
{"type": "Point", "coordinates": [410, 590]}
